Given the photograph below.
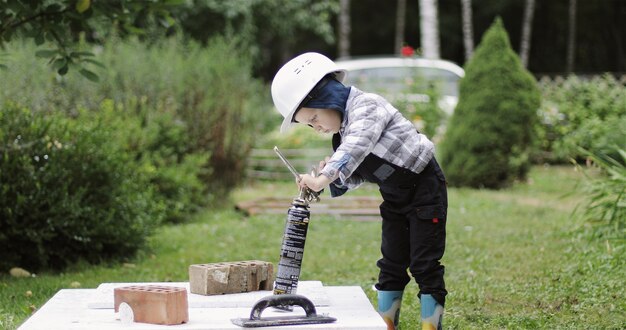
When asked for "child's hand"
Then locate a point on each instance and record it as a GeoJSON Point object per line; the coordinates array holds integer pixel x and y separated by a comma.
{"type": "Point", "coordinates": [323, 163]}
{"type": "Point", "coordinates": [313, 183]}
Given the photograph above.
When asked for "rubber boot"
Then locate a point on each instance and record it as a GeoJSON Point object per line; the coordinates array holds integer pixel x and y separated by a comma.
{"type": "Point", "coordinates": [389, 303]}
{"type": "Point", "coordinates": [432, 313]}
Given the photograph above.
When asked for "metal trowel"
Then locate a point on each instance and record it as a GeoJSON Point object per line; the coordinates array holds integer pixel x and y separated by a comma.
{"type": "Point", "coordinates": [255, 320]}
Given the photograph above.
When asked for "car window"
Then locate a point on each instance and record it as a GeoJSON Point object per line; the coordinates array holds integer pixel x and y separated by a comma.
{"type": "Point", "coordinates": [403, 80]}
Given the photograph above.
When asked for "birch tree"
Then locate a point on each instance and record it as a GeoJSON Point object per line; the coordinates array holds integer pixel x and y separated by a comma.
{"type": "Point", "coordinates": [429, 26]}
{"type": "Point", "coordinates": [468, 28]}
{"type": "Point", "coordinates": [524, 49]}
{"type": "Point", "coordinates": [400, 24]}
{"type": "Point", "coordinates": [344, 28]}
{"type": "Point", "coordinates": [571, 38]}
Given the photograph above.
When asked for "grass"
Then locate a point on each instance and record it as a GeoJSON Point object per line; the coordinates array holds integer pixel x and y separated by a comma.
{"type": "Point", "coordinates": [515, 259]}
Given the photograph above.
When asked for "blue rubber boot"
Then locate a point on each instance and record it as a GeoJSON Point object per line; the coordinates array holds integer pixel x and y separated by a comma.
{"type": "Point", "coordinates": [432, 313]}
{"type": "Point", "coordinates": [389, 303]}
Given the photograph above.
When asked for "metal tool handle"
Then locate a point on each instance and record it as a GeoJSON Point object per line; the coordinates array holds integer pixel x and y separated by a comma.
{"type": "Point", "coordinates": [306, 194]}
{"type": "Point", "coordinates": [283, 300]}
{"type": "Point", "coordinates": [287, 163]}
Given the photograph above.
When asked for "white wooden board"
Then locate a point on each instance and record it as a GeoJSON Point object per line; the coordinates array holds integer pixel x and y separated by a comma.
{"type": "Point", "coordinates": [314, 290]}
{"type": "Point", "coordinates": [68, 310]}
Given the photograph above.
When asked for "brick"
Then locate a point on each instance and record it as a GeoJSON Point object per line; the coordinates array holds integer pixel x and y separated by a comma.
{"type": "Point", "coordinates": [154, 304]}
{"type": "Point", "coordinates": [231, 277]}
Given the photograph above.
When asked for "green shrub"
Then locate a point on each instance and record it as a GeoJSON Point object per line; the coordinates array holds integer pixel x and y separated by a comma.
{"type": "Point", "coordinates": [159, 144]}
{"type": "Point", "coordinates": [587, 113]}
{"type": "Point", "coordinates": [68, 192]}
{"type": "Point", "coordinates": [209, 89]}
{"type": "Point", "coordinates": [605, 206]}
{"type": "Point", "coordinates": [490, 135]}
{"type": "Point", "coordinates": [427, 116]}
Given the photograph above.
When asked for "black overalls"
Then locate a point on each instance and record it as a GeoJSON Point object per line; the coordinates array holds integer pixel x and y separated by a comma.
{"type": "Point", "coordinates": [414, 224]}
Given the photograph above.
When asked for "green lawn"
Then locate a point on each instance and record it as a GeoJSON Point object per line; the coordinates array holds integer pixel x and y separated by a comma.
{"type": "Point", "coordinates": [516, 259]}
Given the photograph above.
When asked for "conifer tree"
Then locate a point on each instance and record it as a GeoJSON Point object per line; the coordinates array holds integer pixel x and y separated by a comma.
{"type": "Point", "coordinates": [488, 140]}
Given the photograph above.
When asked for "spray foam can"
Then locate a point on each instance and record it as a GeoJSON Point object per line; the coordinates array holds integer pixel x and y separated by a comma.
{"type": "Point", "coordinates": [292, 249]}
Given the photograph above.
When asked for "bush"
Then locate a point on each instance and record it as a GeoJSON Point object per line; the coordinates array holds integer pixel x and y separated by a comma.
{"type": "Point", "coordinates": [68, 192]}
{"type": "Point", "coordinates": [490, 135]}
{"type": "Point", "coordinates": [587, 113]}
{"type": "Point", "coordinates": [209, 90]}
{"type": "Point", "coordinates": [427, 115]}
{"type": "Point", "coordinates": [159, 143]}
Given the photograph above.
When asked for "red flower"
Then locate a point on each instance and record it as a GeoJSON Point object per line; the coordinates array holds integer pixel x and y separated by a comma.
{"type": "Point", "coordinates": [407, 51]}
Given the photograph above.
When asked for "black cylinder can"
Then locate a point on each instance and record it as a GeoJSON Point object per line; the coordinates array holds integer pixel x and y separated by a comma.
{"type": "Point", "coordinates": [292, 249]}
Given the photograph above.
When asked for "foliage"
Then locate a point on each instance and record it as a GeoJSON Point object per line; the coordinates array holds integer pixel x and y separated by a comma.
{"type": "Point", "coordinates": [159, 144]}
{"type": "Point", "coordinates": [259, 24]}
{"type": "Point", "coordinates": [578, 112]}
{"type": "Point", "coordinates": [424, 112]}
{"type": "Point", "coordinates": [490, 135]}
{"type": "Point", "coordinates": [206, 88]}
{"type": "Point", "coordinates": [606, 203]}
{"type": "Point", "coordinates": [204, 91]}
{"type": "Point", "coordinates": [60, 21]}
{"type": "Point", "coordinates": [263, 26]}
{"type": "Point", "coordinates": [68, 193]}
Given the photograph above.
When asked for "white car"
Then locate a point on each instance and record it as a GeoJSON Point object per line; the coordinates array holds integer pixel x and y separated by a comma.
{"type": "Point", "coordinates": [407, 78]}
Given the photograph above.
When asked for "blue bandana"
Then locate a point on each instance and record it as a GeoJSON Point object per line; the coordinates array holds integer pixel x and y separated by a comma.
{"type": "Point", "coordinates": [328, 94]}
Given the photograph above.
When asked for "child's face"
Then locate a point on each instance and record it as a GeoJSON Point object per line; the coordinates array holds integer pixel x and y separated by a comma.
{"type": "Point", "coordinates": [321, 120]}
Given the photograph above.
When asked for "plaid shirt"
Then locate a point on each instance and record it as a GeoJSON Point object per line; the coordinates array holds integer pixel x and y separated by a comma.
{"type": "Point", "coordinates": [372, 125]}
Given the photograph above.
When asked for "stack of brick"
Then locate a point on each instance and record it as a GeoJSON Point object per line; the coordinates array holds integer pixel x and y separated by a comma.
{"type": "Point", "coordinates": [231, 277]}
{"type": "Point", "coordinates": [154, 304]}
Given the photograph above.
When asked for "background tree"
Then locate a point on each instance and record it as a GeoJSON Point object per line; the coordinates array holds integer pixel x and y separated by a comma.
{"type": "Point", "coordinates": [571, 36]}
{"type": "Point", "coordinates": [344, 28]}
{"type": "Point", "coordinates": [400, 25]}
{"type": "Point", "coordinates": [60, 21]}
{"type": "Point", "coordinates": [468, 28]}
{"type": "Point", "coordinates": [524, 48]}
{"type": "Point", "coordinates": [429, 23]}
{"type": "Point", "coordinates": [270, 31]}
{"type": "Point", "coordinates": [487, 143]}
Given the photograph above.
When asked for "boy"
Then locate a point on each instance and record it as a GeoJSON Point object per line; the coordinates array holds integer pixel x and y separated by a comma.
{"type": "Point", "coordinates": [374, 142]}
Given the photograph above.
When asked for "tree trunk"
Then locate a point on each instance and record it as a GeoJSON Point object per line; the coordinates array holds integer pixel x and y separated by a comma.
{"type": "Point", "coordinates": [468, 28]}
{"type": "Point", "coordinates": [344, 28]}
{"type": "Point", "coordinates": [527, 25]}
{"type": "Point", "coordinates": [400, 23]}
{"type": "Point", "coordinates": [429, 26]}
{"type": "Point", "coordinates": [571, 38]}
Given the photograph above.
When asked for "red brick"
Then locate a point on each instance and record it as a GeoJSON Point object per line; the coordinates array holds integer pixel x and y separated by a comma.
{"type": "Point", "coordinates": [154, 304]}
{"type": "Point", "coordinates": [231, 277]}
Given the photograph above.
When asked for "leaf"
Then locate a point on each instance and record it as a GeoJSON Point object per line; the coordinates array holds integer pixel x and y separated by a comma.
{"type": "Point", "coordinates": [40, 39]}
{"type": "Point", "coordinates": [46, 53]}
{"type": "Point", "coordinates": [63, 70]}
{"type": "Point", "coordinates": [94, 62]}
{"type": "Point", "coordinates": [89, 75]}
{"type": "Point", "coordinates": [82, 5]}
{"type": "Point", "coordinates": [59, 63]}
{"type": "Point", "coordinates": [79, 54]}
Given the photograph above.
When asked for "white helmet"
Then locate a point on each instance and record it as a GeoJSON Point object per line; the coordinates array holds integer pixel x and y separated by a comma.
{"type": "Point", "coordinates": [293, 82]}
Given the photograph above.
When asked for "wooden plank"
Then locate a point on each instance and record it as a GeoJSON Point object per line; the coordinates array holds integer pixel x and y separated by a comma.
{"type": "Point", "coordinates": [269, 175]}
{"type": "Point", "coordinates": [278, 164]}
{"type": "Point", "coordinates": [265, 164]}
{"type": "Point", "coordinates": [308, 153]}
{"type": "Point", "coordinates": [359, 208]}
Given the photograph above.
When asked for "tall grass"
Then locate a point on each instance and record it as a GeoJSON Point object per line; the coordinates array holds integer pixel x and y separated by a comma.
{"type": "Point", "coordinates": [209, 88]}
{"type": "Point", "coordinates": [605, 207]}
